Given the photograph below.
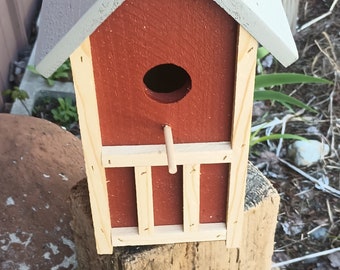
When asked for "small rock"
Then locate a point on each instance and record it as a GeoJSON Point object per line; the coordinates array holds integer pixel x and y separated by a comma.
{"type": "Point", "coordinates": [306, 153]}
{"type": "Point", "coordinates": [320, 234]}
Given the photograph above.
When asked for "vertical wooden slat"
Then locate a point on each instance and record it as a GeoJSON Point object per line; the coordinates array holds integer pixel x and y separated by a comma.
{"type": "Point", "coordinates": [8, 44]}
{"type": "Point", "coordinates": [81, 61]}
{"type": "Point", "coordinates": [244, 90]}
{"type": "Point", "coordinates": [17, 21]}
{"type": "Point", "coordinates": [191, 197]}
{"type": "Point", "coordinates": [15, 24]}
{"type": "Point", "coordinates": [292, 8]}
{"type": "Point", "coordinates": [143, 178]}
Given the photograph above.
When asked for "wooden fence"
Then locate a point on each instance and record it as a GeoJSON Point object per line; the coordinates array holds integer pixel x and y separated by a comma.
{"type": "Point", "coordinates": [16, 17]}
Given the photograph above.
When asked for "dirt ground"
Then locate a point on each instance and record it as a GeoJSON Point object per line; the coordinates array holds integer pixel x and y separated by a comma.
{"type": "Point", "coordinates": [309, 218]}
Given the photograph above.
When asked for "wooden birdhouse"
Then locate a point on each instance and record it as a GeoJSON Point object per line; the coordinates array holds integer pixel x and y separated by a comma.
{"type": "Point", "coordinates": [164, 95]}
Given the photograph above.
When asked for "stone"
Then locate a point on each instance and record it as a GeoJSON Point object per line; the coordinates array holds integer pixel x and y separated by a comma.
{"type": "Point", "coordinates": [39, 163]}
{"type": "Point", "coordinates": [307, 153]}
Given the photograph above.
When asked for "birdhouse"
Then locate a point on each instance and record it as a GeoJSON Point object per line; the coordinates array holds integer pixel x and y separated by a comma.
{"type": "Point", "coordinates": [164, 95]}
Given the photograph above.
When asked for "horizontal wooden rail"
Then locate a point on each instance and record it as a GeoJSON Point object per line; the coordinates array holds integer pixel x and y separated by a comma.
{"type": "Point", "coordinates": [155, 155]}
{"type": "Point", "coordinates": [168, 234]}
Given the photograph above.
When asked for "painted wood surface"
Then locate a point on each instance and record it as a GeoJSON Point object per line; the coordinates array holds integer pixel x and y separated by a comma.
{"type": "Point", "coordinates": [64, 26]}
{"type": "Point", "coordinates": [260, 212]}
{"type": "Point", "coordinates": [81, 61]}
{"type": "Point", "coordinates": [146, 35]}
{"type": "Point", "coordinates": [267, 22]}
{"type": "Point", "coordinates": [67, 23]}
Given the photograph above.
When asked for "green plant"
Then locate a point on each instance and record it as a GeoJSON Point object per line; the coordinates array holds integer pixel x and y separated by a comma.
{"type": "Point", "coordinates": [62, 73]}
{"type": "Point", "coordinates": [17, 94]}
{"type": "Point", "coordinates": [265, 81]}
{"type": "Point", "coordinates": [66, 113]}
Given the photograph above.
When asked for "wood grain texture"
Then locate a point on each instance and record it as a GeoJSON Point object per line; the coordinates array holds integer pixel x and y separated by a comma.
{"type": "Point", "coordinates": [141, 35]}
{"type": "Point", "coordinates": [81, 62]}
{"type": "Point", "coordinates": [166, 234]}
{"type": "Point", "coordinates": [155, 155]}
{"type": "Point", "coordinates": [144, 196]}
{"type": "Point", "coordinates": [260, 212]}
{"type": "Point", "coordinates": [67, 23]}
{"type": "Point", "coordinates": [244, 90]}
{"type": "Point", "coordinates": [191, 197]}
{"type": "Point", "coordinates": [197, 36]}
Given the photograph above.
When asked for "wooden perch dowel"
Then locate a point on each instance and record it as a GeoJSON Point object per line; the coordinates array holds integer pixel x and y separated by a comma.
{"type": "Point", "coordinates": [170, 151]}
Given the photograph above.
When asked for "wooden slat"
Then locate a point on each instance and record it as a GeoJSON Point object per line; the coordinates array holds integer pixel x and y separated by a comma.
{"type": "Point", "coordinates": [81, 61]}
{"type": "Point", "coordinates": [191, 197]}
{"type": "Point", "coordinates": [292, 8]}
{"type": "Point", "coordinates": [143, 179]}
{"type": "Point", "coordinates": [168, 234]}
{"type": "Point", "coordinates": [155, 155]}
{"type": "Point", "coordinates": [244, 89]}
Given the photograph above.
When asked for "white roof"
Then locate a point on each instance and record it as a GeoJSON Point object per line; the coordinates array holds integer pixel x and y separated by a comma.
{"type": "Point", "coordinates": [64, 24]}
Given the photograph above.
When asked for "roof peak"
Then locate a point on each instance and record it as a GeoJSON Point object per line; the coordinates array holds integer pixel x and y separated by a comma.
{"type": "Point", "coordinates": [66, 23]}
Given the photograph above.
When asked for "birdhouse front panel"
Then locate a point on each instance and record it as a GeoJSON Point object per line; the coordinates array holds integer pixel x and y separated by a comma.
{"type": "Point", "coordinates": [160, 63]}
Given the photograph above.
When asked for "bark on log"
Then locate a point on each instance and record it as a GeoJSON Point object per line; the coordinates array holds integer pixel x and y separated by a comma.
{"type": "Point", "coordinates": [261, 208]}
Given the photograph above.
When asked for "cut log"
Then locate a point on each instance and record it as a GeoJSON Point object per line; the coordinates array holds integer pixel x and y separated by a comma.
{"type": "Point", "coordinates": [260, 213]}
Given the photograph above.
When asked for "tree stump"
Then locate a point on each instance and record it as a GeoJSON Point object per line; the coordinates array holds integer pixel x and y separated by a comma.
{"type": "Point", "coordinates": [260, 212]}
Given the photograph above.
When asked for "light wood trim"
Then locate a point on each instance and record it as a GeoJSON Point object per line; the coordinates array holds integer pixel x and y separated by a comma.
{"type": "Point", "coordinates": [244, 91]}
{"type": "Point", "coordinates": [168, 234]}
{"type": "Point", "coordinates": [191, 197]}
{"type": "Point", "coordinates": [143, 179]}
{"type": "Point", "coordinates": [155, 155]}
{"type": "Point", "coordinates": [81, 61]}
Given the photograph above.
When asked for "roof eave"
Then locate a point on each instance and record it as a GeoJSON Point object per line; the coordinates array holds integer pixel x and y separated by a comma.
{"type": "Point", "coordinates": [46, 64]}
{"type": "Point", "coordinates": [267, 22]}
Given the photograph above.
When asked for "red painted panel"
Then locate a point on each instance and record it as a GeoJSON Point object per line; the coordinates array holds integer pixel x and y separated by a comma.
{"type": "Point", "coordinates": [213, 193]}
{"type": "Point", "coordinates": [196, 35]}
{"type": "Point", "coordinates": [168, 196]}
{"type": "Point", "coordinates": [122, 197]}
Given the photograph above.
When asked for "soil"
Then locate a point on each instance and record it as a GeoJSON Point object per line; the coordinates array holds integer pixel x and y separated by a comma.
{"type": "Point", "coordinates": [309, 217]}
{"type": "Point", "coordinates": [40, 163]}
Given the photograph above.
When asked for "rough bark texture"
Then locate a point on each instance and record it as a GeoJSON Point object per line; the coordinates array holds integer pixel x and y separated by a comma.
{"type": "Point", "coordinates": [261, 208]}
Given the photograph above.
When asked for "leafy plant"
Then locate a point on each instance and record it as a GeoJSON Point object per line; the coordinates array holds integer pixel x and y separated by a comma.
{"type": "Point", "coordinates": [62, 73]}
{"type": "Point", "coordinates": [255, 140]}
{"type": "Point", "coordinates": [264, 81]}
{"type": "Point", "coordinates": [17, 94]}
{"type": "Point", "coordinates": [277, 79]}
{"type": "Point", "coordinates": [66, 113]}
